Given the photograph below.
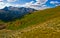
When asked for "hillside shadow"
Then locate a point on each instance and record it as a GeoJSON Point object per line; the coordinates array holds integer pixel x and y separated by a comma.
{"type": "Point", "coordinates": [8, 17]}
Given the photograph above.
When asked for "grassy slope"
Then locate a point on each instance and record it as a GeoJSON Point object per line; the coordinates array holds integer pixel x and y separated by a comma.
{"type": "Point", "coordinates": [40, 24]}
{"type": "Point", "coordinates": [48, 29]}
{"type": "Point", "coordinates": [34, 18]}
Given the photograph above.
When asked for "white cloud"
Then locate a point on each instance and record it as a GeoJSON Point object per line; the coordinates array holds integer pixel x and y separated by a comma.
{"type": "Point", "coordinates": [2, 5]}
{"type": "Point", "coordinates": [14, 5]}
{"type": "Point", "coordinates": [41, 1]}
{"type": "Point", "coordinates": [39, 4]}
{"type": "Point", "coordinates": [1, 0]}
{"type": "Point", "coordinates": [41, 7]}
{"type": "Point", "coordinates": [11, 0]}
{"type": "Point", "coordinates": [54, 2]}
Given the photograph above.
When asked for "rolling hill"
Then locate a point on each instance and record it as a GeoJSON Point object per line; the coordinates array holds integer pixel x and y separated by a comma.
{"type": "Point", "coordinates": [39, 24]}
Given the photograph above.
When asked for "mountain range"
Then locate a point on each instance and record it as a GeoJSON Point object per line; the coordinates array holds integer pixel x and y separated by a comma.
{"type": "Point", "coordinates": [9, 13]}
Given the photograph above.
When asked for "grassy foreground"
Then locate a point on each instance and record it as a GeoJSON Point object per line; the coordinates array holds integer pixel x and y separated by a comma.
{"type": "Point", "coordinates": [48, 29]}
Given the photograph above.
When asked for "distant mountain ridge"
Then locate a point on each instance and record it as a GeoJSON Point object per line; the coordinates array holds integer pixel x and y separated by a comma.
{"type": "Point", "coordinates": [10, 8]}
{"type": "Point", "coordinates": [9, 13]}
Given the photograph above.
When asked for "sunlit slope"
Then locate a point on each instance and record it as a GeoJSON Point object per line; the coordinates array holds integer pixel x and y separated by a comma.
{"type": "Point", "coordinates": [36, 17]}
{"type": "Point", "coordinates": [48, 29]}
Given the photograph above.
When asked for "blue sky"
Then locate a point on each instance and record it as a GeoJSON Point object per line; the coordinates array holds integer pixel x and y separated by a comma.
{"type": "Point", "coordinates": [36, 4]}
